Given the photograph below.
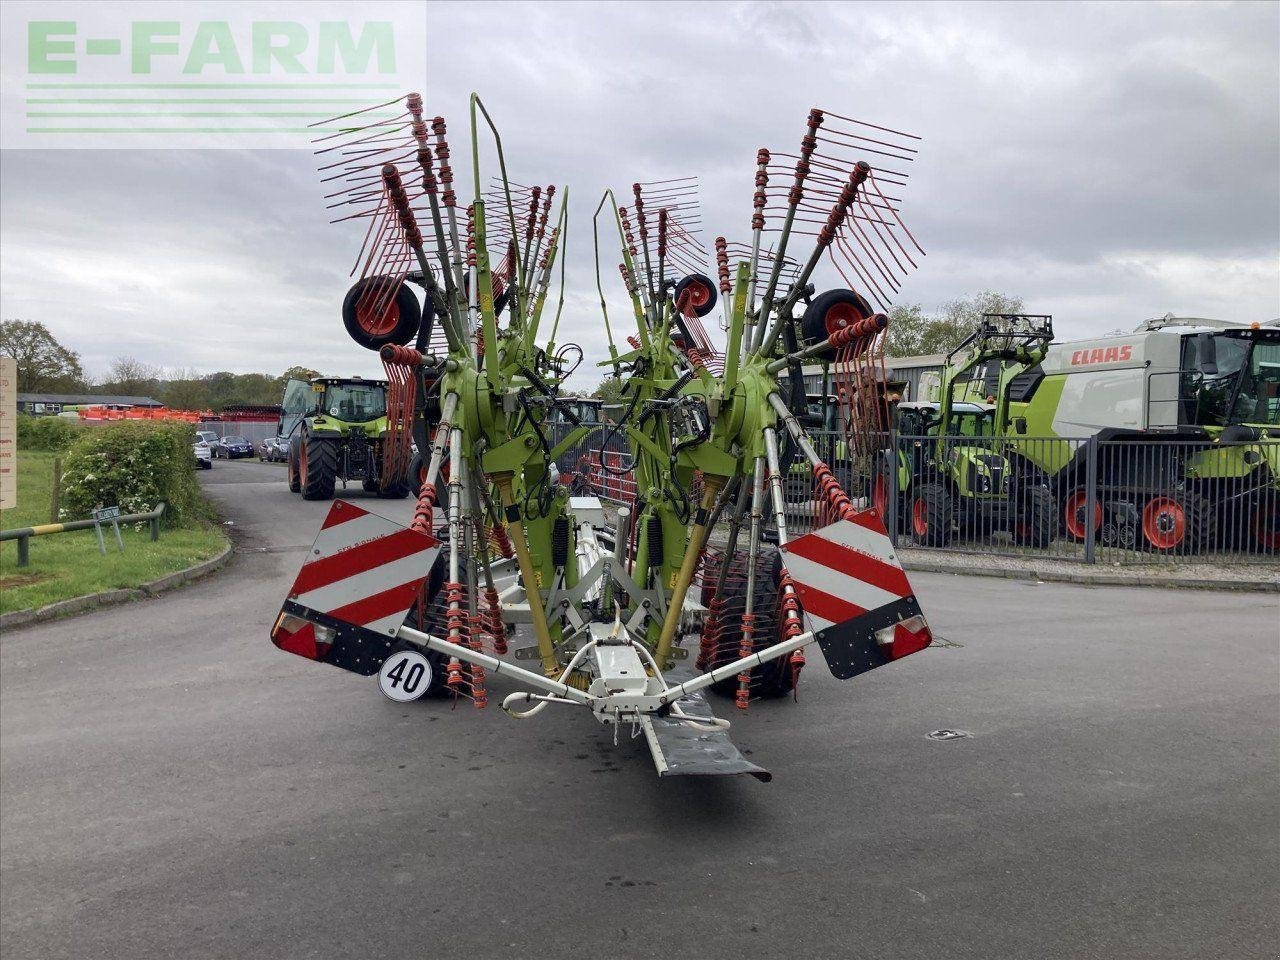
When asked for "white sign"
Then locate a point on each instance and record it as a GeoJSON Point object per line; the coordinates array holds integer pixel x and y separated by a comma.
{"type": "Point", "coordinates": [201, 74]}
{"type": "Point", "coordinates": [8, 433]}
{"type": "Point", "coordinates": [405, 676]}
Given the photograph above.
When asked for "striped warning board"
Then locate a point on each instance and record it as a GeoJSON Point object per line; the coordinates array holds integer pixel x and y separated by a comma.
{"type": "Point", "coordinates": [855, 595]}
{"type": "Point", "coordinates": [361, 577]}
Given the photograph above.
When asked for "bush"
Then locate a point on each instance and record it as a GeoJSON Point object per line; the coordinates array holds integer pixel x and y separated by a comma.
{"type": "Point", "coordinates": [54, 434]}
{"type": "Point", "coordinates": [133, 466]}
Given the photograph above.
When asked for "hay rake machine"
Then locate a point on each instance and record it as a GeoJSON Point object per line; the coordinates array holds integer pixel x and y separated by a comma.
{"type": "Point", "coordinates": [634, 612]}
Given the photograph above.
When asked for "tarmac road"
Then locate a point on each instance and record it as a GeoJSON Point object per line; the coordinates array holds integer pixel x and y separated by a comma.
{"type": "Point", "coordinates": [171, 785]}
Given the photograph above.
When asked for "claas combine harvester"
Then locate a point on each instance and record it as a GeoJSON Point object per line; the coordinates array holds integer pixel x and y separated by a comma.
{"type": "Point", "coordinates": [631, 612]}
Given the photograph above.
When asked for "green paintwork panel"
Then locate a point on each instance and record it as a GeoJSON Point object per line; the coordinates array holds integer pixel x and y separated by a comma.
{"type": "Point", "coordinates": [332, 426]}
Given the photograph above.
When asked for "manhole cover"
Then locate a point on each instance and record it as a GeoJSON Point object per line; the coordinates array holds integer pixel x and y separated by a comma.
{"type": "Point", "coordinates": [946, 734]}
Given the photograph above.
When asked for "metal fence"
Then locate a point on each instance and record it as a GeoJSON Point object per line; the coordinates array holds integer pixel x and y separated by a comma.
{"type": "Point", "coordinates": [1088, 500]}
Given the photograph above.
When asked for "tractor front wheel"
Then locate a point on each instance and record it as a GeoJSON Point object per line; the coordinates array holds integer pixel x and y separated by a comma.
{"type": "Point", "coordinates": [317, 468]}
{"type": "Point", "coordinates": [931, 511]}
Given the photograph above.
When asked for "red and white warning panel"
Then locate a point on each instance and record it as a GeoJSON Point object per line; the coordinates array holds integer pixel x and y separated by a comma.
{"type": "Point", "coordinates": [855, 595]}
{"type": "Point", "coordinates": [359, 581]}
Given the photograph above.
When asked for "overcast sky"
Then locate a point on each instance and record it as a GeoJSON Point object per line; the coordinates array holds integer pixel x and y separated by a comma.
{"type": "Point", "coordinates": [1106, 163]}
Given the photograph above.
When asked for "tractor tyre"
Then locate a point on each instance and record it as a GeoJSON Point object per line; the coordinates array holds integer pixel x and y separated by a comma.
{"type": "Point", "coordinates": [699, 293]}
{"type": "Point", "coordinates": [1038, 517]}
{"type": "Point", "coordinates": [829, 312]}
{"type": "Point", "coordinates": [317, 468]}
{"type": "Point", "coordinates": [1074, 505]}
{"type": "Point", "coordinates": [773, 679]}
{"type": "Point", "coordinates": [295, 481]}
{"type": "Point", "coordinates": [395, 491]}
{"type": "Point", "coordinates": [376, 313]}
{"type": "Point", "coordinates": [931, 515]}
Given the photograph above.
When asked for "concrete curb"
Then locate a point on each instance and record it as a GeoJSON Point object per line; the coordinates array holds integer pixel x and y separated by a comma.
{"type": "Point", "coordinates": [67, 608]}
{"type": "Point", "coordinates": [1098, 578]}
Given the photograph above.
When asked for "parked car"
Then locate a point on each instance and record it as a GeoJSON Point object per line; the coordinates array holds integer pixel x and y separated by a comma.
{"type": "Point", "coordinates": [204, 456]}
{"type": "Point", "coordinates": [232, 448]}
{"type": "Point", "coordinates": [208, 436]}
{"type": "Point", "coordinates": [274, 448]}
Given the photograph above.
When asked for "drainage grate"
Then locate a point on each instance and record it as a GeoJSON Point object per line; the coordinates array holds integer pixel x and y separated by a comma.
{"type": "Point", "coordinates": [945, 734]}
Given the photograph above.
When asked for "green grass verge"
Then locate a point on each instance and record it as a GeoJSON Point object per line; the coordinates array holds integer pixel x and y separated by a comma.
{"type": "Point", "coordinates": [66, 565]}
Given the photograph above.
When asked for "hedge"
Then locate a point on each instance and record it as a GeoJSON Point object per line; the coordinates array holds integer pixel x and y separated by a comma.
{"type": "Point", "coordinates": [54, 434]}
{"type": "Point", "coordinates": [133, 465]}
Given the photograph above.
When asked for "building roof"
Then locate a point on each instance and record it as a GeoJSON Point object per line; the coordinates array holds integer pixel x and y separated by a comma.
{"type": "Point", "coordinates": [87, 398]}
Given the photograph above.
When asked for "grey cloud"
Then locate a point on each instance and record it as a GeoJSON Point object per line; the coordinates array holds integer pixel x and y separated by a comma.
{"type": "Point", "coordinates": [1106, 162]}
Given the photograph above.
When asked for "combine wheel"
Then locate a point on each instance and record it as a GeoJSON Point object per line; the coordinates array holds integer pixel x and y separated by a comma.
{"type": "Point", "coordinates": [317, 468]}
{"type": "Point", "coordinates": [374, 315]}
{"type": "Point", "coordinates": [1073, 514]}
{"type": "Point", "coordinates": [1178, 524]}
{"type": "Point", "coordinates": [931, 515]}
{"type": "Point", "coordinates": [829, 312]}
{"type": "Point", "coordinates": [1037, 521]}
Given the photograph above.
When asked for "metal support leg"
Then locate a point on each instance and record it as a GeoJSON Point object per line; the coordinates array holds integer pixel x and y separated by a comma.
{"type": "Point", "coordinates": [749, 604]}
{"type": "Point", "coordinates": [712, 485]}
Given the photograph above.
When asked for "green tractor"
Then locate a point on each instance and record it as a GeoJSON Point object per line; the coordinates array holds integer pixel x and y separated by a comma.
{"type": "Point", "coordinates": [954, 473]}
{"type": "Point", "coordinates": [336, 427]}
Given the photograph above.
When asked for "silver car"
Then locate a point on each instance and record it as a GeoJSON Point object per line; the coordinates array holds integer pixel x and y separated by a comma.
{"type": "Point", "coordinates": [204, 455]}
{"type": "Point", "coordinates": [273, 449]}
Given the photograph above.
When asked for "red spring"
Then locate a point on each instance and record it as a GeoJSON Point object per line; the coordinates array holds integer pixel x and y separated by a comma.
{"type": "Point", "coordinates": [498, 535]}
{"type": "Point", "coordinates": [453, 675]}
{"type": "Point", "coordinates": [424, 511]}
{"type": "Point", "coordinates": [406, 356]}
{"type": "Point", "coordinates": [400, 201]}
{"type": "Point", "coordinates": [796, 662]}
{"type": "Point", "coordinates": [496, 626]}
{"type": "Point", "coordinates": [695, 359]}
{"type": "Point", "coordinates": [442, 154]}
{"type": "Point", "coordinates": [744, 650]}
{"type": "Point", "coordinates": [722, 264]}
{"type": "Point", "coordinates": [710, 633]}
{"type": "Point", "coordinates": [829, 489]}
{"type": "Point", "coordinates": [546, 255]}
{"type": "Point", "coordinates": [478, 695]}
{"type": "Point", "coordinates": [635, 342]}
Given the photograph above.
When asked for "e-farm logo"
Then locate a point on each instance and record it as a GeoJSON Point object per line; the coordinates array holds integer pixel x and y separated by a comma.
{"type": "Point", "coordinates": [220, 78]}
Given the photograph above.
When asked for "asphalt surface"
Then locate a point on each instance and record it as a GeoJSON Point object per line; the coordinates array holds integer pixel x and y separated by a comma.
{"type": "Point", "coordinates": [172, 785]}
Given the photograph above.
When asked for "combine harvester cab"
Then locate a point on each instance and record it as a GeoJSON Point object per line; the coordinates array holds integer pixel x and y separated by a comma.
{"type": "Point", "coordinates": [606, 600]}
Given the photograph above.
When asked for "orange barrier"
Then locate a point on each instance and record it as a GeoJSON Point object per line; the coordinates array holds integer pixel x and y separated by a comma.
{"type": "Point", "coordinates": [100, 413]}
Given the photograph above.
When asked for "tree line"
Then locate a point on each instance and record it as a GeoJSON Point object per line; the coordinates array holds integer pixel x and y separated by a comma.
{"type": "Point", "coordinates": [913, 331]}
{"type": "Point", "coordinates": [47, 366]}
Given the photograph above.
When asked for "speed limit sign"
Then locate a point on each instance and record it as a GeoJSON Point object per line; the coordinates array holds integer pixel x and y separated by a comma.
{"type": "Point", "coordinates": [405, 676]}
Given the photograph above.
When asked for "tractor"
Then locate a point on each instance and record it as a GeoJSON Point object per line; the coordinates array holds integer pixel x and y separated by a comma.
{"type": "Point", "coordinates": [335, 427]}
{"type": "Point", "coordinates": [953, 471]}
